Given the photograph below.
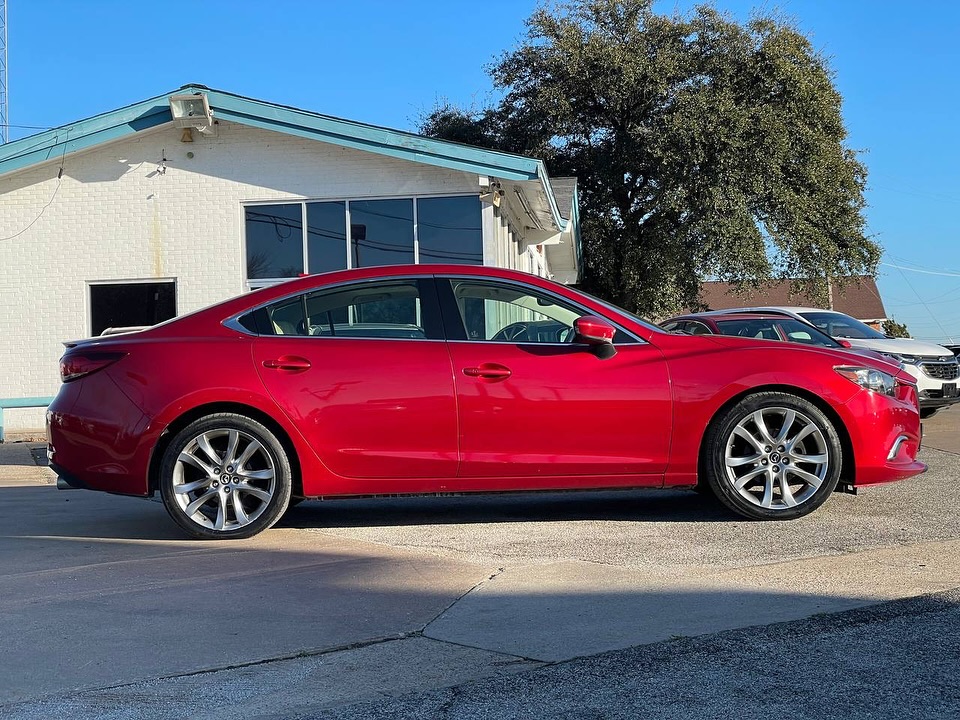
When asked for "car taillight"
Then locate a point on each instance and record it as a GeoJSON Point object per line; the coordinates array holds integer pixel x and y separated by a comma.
{"type": "Point", "coordinates": [78, 365]}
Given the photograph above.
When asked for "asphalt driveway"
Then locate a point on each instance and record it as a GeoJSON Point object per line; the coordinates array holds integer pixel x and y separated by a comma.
{"type": "Point", "coordinates": [553, 605]}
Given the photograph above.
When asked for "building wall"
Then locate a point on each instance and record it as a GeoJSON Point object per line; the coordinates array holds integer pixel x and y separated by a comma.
{"type": "Point", "coordinates": [113, 216]}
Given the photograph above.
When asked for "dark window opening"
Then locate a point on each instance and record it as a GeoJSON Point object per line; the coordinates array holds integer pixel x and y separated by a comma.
{"type": "Point", "coordinates": [131, 305]}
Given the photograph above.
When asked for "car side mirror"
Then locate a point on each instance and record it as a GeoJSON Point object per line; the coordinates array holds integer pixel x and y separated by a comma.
{"type": "Point", "coordinates": [845, 343]}
{"type": "Point", "coordinates": [597, 333]}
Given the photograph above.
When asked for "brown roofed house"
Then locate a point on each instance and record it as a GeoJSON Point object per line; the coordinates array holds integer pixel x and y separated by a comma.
{"type": "Point", "coordinates": [858, 298]}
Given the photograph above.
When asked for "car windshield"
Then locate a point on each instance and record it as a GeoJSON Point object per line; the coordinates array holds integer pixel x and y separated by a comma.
{"type": "Point", "coordinates": [776, 329]}
{"type": "Point", "coordinates": [837, 324]}
{"type": "Point", "coordinates": [616, 308]}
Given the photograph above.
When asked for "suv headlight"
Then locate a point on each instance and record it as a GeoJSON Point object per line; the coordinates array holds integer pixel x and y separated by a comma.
{"type": "Point", "coordinates": [870, 379]}
{"type": "Point", "coordinates": [908, 359]}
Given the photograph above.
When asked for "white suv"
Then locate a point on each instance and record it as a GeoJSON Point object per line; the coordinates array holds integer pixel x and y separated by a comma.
{"type": "Point", "coordinates": [934, 367]}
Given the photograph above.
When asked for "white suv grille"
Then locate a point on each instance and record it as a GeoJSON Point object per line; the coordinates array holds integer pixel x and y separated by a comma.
{"type": "Point", "coordinates": [941, 370]}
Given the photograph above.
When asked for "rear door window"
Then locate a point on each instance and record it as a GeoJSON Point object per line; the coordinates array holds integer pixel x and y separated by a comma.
{"type": "Point", "coordinates": [398, 309]}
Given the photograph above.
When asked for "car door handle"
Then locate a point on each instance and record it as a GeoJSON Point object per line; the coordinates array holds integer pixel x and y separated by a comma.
{"type": "Point", "coordinates": [488, 371]}
{"type": "Point", "coordinates": [288, 362]}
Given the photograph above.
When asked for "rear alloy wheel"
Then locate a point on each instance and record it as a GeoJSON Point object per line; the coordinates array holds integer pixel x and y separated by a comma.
{"type": "Point", "coordinates": [772, 456]}
{"type": "Point", "coordinates": [225, 476]}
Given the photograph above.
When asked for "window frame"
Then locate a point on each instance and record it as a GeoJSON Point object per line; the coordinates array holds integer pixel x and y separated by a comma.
{"type": "Point", "coordinates": [88, 296]}
{"type": "Point", "coordinates": [255, 283]}
{"type": "Point", "coordinates": [431, 317]}
{"type": "Point", "coordinates": [456, 331]}
{"type": "Point", "coordinates": [707, 330]}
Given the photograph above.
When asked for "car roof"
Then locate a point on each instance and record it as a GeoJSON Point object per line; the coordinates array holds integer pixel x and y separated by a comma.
{"type": "Point", "coordinates": [737, 314]}
{"type": "Point", "coordinates": [304, 283]}
{"type": "Point", "coordinates": [207, 318]}
{"type": "Point", "coordinates": [800, 309]}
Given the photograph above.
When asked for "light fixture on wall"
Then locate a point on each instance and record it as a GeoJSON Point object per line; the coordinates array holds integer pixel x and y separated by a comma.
{"type": "Point", "coordinates": [491, 191]}
{"type": "Point", "coordinates": [192, 111]}
{"type": "Point", "coordinates": [493, 197]}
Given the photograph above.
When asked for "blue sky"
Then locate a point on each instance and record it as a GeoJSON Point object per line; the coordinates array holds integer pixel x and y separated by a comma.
{"type": "Point", "coordinates": [388, 63]}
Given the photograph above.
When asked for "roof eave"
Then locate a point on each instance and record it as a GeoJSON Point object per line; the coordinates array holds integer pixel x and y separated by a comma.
{"type": "Point", "coordinates": [154, 112]}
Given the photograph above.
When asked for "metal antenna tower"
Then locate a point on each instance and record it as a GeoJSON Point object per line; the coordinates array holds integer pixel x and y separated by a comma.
{"type": "Point", "coordinates": [3, 72]}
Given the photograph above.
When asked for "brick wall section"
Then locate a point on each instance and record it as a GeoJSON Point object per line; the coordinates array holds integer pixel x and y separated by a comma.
{"type": "Point", "coordinates": [113, 217]}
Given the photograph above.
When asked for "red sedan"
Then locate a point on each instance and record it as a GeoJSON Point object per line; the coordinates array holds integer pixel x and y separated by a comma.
{"type": "Point", "coordinates": [448, 379]}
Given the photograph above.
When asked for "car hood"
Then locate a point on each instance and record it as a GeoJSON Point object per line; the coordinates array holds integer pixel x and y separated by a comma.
{"type": "Point", "coordinates": [901, 346]}
{"type": "Point", "coordinates": [843, 356]}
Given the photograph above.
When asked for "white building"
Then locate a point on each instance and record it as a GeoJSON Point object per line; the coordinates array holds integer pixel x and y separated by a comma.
{"type": "Point", "coordinates": [183, 200]}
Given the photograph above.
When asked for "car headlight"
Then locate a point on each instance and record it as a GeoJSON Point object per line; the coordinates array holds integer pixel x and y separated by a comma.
{"type": "Point", "coordinates": [908, 359]}
{"type": "Point", "coordinates": [870, 379]}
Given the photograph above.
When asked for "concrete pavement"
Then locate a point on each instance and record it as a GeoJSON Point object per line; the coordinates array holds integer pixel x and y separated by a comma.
{"type": "Point", "coordinates": [106, 611]}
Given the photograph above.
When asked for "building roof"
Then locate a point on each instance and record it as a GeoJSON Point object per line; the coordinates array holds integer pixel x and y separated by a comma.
{"type": "Point", "coordinates": [564, 190]}
{"type": "Point", "coordinates": [53, 145]}
{"type": "Point", "coordinates": [566, 258]}
{"type": "Point", "coordinates": [859, 297]}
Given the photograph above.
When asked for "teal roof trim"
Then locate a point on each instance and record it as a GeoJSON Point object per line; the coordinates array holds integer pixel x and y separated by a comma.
{"type": "Point", "coordinates": [51, 145]}
{"type": "Point", "coordinates": [56, 143]}
{"type": "Point", "coordinates": [575, 229]}
{"type": "Point", "coordinates": [371, 138]}
{"type": "Point", "coordinates": [545, 179]}
{"type": "Point", "coordinates": [151, 113]}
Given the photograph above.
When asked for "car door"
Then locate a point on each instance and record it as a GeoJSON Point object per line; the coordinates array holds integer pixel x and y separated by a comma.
{"type": "Point", "coordinates": [364, 373]}
{"type": "Point", "coordinates": [534, 404]}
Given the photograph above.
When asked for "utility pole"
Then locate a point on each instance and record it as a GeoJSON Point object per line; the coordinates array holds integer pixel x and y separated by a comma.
{"type": "Point", "coordinates": [4, 134]}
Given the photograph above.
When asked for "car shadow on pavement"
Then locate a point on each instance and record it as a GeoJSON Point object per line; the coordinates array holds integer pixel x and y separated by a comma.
{"type": "Point", "coordinates": [43, 511]}
{"type": "Point", "coordinates": [102, 516]}
{"type": "Point", "coordinates": [659, 506]}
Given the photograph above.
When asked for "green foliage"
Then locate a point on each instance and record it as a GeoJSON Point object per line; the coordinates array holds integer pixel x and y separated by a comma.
{"type": "Point", "coordinates": [703, 147]}
{"type": "Point", "coordinates": [894, 329]}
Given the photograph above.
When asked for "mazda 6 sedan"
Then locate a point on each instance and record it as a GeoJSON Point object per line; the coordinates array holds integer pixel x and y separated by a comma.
{"type": "Point", "coordinates": [453, 379]}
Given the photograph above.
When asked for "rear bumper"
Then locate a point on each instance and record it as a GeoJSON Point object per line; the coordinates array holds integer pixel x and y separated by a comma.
{"type": "Point", "coordinates": [66, 481]}
{"type": "Point", "coordinates": [96, 438]}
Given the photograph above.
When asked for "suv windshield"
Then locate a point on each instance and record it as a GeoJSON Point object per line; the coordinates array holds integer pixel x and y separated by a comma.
{"type": "Point", "coordinates": [777, 329]}
{"type": "Point", "coordinates": [839, 325]}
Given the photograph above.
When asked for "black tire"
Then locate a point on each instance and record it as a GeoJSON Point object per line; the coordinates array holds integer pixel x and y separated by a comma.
{"type": "Point", "coordinates": [928, 412]}
{"type": "Point", "coordinates": [783, 470]}
{"type": "Point", "coordinates": [214, 498]}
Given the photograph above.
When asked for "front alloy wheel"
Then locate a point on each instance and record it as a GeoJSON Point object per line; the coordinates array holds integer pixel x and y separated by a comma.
{"type": "Point", "coordinates": [773, 456]}
{"type": "Point", "coordinates": [225, 476]}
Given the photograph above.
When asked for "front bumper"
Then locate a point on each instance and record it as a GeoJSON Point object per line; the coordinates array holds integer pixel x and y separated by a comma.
{"type": "Point", "coordinates": [936, 399]}
{"type": "Point", "coordinates": [934, 391]}
{"type": "Point", "coordinates": [885, 433]}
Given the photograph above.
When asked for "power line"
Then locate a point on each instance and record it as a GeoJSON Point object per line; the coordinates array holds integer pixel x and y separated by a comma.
{"type": "Point", "coordinates": [3, 72]}
{"type": "Point", "coordinates": [26, 127]}
{"type": "Point", "coordinates": [925, 307]}
{"type": "Point", "coordinates": [918, 270]}
{"type": "Point", "coordinates": [925, 196]}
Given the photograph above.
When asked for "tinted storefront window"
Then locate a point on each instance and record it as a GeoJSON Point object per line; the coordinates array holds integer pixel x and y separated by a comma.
{"type": "Point", "coordinates": [448, 230]}
{"type": "Point", "coordinates": [326, 236]}
{"type": "Point", "coordinates": [381, 232]}
{"type": "Point", "coordinates": [274, 241]}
